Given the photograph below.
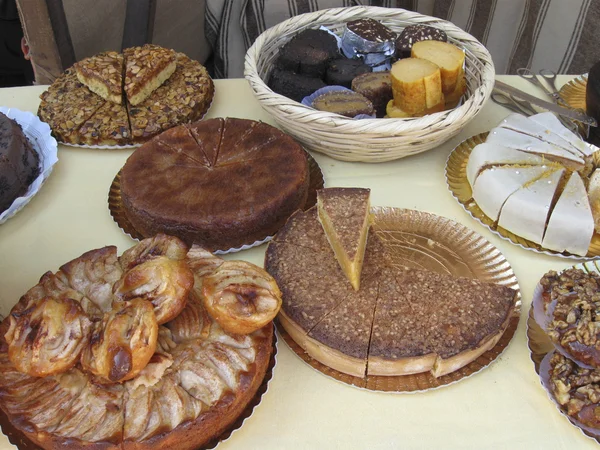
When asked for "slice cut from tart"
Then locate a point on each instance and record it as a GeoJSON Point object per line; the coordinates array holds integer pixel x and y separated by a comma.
{"type": "Point", "coordinates": [345, 215]}
{"type": "Point", "coordinates": [496, 184]}
{"type": "Point", "coordinates": [486, 155]}
{"type": "Point", "coordinates": [146, 69]}
{"type": "Point", "coordinates": [526, 211]}
{"type": "Point", "coordinates": [109, 125]}
{"type": "Point", "coordinates": [103, 75]}
{"type": "Point", "coordinates": [571, 225]}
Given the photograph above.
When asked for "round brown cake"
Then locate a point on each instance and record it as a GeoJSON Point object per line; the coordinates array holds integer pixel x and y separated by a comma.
{"type": "Point", "coordinates": [219, 183]}
{"type": "Point", "coordinates": [199, 380]}
{"type": "Point", "coordinates": [19, 163]}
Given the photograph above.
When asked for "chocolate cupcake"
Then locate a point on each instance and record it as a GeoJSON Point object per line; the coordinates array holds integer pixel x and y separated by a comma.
{"type": "Point", "coordinates": [416, 33]}
{"type": "Point", "coordinates": [341, 72]}
{"type": "Point", "coordinates": [377, 87]}
{"type": "Point", "coordinates": [308, 53]}
{"type": "Point", "coordinates": [344, 102]}
{"type": "Point", "coordinates": [293, 85]}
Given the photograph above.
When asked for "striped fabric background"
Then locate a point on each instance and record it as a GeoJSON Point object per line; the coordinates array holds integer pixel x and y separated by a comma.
{"type": "Point", "coordinates": [551, 34]}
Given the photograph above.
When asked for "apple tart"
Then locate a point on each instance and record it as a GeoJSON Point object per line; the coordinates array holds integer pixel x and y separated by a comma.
{"type": "Point", "coordinates": [123, 352]}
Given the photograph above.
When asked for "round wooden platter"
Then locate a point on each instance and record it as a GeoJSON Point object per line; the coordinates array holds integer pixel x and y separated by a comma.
{"type": "Point", "coordinates": [427, 241]}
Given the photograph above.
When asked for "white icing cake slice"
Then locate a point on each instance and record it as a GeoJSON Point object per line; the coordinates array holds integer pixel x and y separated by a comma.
{"type": "Point", "coordinates": [484, 155]}
{"type": "Point", "coordinates": [525, 213]}
{"type": "Point", "coordinates": [494, 185]}
{"type": "Point", "coordinates": [530, 144]}
{"type": "Point", "coordinates": [550, 121]}
{"type": "Point", "coordinates": [571, 225]}
{"type": "Point", "coordinates": [523, 124]}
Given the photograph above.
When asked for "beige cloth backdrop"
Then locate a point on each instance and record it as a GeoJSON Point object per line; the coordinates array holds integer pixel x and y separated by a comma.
{"type": "Point", "coordinates": [551, 34]}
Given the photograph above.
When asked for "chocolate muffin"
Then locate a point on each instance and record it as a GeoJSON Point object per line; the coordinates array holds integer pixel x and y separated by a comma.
{"type": "Point", "coordinates": [377, 87]}
{"type": "Point", "coordinates": [416, 33]}
{"type": "Point", "coordinates": [294, 85]}
{"type": "Point", "coordinates": [341, 72]}
{"type": "Point", "coordinates": [308, 53]}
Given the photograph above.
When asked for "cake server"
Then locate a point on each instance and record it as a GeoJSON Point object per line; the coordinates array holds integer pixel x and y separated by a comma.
{"type": "Point", "coordinates": [571, 113]}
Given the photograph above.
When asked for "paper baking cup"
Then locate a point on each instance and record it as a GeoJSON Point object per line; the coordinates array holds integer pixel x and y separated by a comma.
{"type": "Point", "coordinates": [572, 94]}
{"type": "Point", "coordinates": [117, 211]}
{"type": "Point", "coordinates": [39, 135]}
{"type": "Point", "coordinates": [426, 241]}
{"type": "Point", "coordinates": [540, 346]}
{"type": "Point", "coordinates": [21, 441]}
{"type": "Point", "coordinates": [456, 178]}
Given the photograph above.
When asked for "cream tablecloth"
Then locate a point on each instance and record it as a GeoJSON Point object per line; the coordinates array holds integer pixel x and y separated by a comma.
{"type": "Point", "coordinates": [502, 407]}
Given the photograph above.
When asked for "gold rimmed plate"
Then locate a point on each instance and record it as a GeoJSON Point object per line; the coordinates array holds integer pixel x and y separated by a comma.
{"type": "Point", "coordinates": [427, 241]}
{"type": "Point", "coordinates": [117, 211]}
{"type": "Point", "coordinates": [456, 177]}
{"type": "Point", "coordinates": [572, 94]}
{"type": "Point", "coordinates": [540, 345]}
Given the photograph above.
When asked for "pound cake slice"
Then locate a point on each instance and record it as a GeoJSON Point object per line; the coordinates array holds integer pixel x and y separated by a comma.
{"type": "Point", "coordinates": [344, 214]}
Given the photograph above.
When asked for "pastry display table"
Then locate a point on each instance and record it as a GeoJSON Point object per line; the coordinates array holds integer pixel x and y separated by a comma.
{"type": "Point", "coordinates": [504, 406]}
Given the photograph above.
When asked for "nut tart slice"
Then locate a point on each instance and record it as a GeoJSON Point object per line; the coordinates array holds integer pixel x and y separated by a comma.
{"type": "Point", "coordinates": [109, 125]}
{"type": "Point", "coordinates": [571, 224]}
{"type": "Point", "coordinates": [496, 184]}
{"type": "Point", "coordinates": [530, 144]}
{"type": "Point", "coordinates": [529, 127]}
{"type": "Point", "coordinates": [345, 215]}
{"type": "Point", "coordinates": [103, 75]}
{"type": "Point", "coordinates": [486, 155]}
{"type": "Point", "coordinates": [146, 69]}
{"type": "Point", "coordinates": [551, 122]}
{"type": "Point", "coordinates": [526, 211]}
{"type": "Point", "coordinates": [77, 104]}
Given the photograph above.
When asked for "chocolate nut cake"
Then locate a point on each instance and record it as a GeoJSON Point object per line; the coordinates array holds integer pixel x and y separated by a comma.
{"type": "Point", "coordinates": [219, 183]}
{"type": "Point", "coordinates": [19, 162]}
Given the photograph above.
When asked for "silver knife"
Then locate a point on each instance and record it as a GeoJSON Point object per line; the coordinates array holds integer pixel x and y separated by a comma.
{"type": "Point", "coordinates": [571, 113]}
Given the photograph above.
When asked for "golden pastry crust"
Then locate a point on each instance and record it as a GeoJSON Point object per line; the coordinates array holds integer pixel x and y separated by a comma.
{"type": "Point", "coordinates": [123, 343]}
{"type": "Point", "coordinates": [240, 297]}
{"type": "Point", "coordinates": [103, 75]}
{"type": "Point", "coordinates": [48, 336]}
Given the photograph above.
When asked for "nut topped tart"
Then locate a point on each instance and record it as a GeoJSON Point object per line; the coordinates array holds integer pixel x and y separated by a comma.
{"type": "Point", "coordinates": [401, 321]}
{"type": "Point", "coordinates": [219, 183]}
{"type": "Point", "coordinates": [344, 214]}
{"type": "Point", "coordinates": [86, 361]}
{"type": "Point", "coordinates": [120, 99]}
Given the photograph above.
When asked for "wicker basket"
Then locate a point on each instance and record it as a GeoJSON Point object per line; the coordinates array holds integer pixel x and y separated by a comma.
{"type": "Point", "coordinates": [368, 140]}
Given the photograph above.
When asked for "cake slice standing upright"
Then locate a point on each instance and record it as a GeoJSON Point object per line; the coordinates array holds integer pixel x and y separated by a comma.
{"type": "Point", "coordinates": [146, 69]}
{"type": "Point", "coordinates": [345, 215]}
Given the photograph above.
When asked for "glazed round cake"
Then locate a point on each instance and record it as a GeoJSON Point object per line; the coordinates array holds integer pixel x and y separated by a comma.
{"type": "Point", "coordinates": [218, 183]}
{"type": "Point", "coordinates": [19, 163]}
{"type": "Point", "coordinates": [198, 381]}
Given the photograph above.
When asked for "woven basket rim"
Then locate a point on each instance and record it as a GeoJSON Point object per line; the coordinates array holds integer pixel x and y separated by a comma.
{"type": "Point", "coordinates": [393, 125]}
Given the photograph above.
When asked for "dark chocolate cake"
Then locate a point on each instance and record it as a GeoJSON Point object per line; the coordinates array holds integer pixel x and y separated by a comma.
{"type": "Point", "coordinates": [371, 30]}
{"type": "Point", "coordinates": [416, 33]}
{"type": "Point", "coordinates": [294, 85]}
{"type": "Point", "coordinates": [377, 87]}
{"type": "Point", "coordinates": [308, 53]}
{"type": "Point", "coordinates": [341, 72]}
{"type": "Point", "coordinates": [19, 163]}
